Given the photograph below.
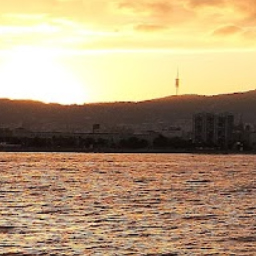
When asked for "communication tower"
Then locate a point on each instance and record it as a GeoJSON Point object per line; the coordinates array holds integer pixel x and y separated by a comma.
{"type": "Point", "coordinates": [177, 83]}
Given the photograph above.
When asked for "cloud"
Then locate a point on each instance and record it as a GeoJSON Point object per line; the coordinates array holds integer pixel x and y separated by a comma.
{"type": "Point", "coordinates": [227, 30]}
{"type": "Point", "coordinates": [150, 27]}
{"type": "Point", "coordinates": [250, 35]}
{"type": "Point", "coordinates": [202, 3]}
{"type": "Point", "coordinates": [230, 9]}
{"type": "Point", "coordinates": [150, 8]}
{"type": "Point", "coordinates": [155, 14]}
{"type": "Point", "coordinates": [130, 23]}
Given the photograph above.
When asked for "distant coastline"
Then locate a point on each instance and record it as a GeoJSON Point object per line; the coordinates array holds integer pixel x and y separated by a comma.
{"type": "Point", "coordinates": [18, 149]}
{"type": "Point", "coordinates": [163, 125]}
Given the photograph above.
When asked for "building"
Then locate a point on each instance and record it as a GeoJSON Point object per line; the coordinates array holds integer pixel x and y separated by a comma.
{"type": "Point", "coordinates": [203, 129]}
{"type": "Point", "coordinates": [213, 130]}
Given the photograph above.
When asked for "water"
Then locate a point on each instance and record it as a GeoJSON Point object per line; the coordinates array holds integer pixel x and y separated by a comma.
{"type": "Point", "coordinates": [127, 204]}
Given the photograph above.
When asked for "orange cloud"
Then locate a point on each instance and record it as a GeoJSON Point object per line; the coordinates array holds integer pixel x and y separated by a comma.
{"type": "Point", "coordinates": [152, 7]}
{"type": "Point", "coordinates": [150, 27]}
{"type": "Point", "coordinates": [200, 3]}
{"type": "Point", "coordinates": [89, 22]}
{"type": "Point", "coordinates": [227, 30]}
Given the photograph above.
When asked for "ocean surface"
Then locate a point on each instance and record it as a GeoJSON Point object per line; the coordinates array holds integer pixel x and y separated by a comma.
{"type": "Point", "coordinates": [127, 204]}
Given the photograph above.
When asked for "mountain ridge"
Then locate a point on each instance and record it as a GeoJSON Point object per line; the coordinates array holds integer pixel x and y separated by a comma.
{"type": "Point", "coordinates": [171, 110]}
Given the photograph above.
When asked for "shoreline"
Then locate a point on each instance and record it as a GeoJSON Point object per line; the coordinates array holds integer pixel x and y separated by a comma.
{"type": "Point", "coordinates": [123, 150]}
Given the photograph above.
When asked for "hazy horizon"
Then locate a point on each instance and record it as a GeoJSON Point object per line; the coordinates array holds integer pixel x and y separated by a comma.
{"type": "Point", "coordinates": [130, 101]}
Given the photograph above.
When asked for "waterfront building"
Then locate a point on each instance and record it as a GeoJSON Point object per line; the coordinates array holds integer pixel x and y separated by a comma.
{"type": "Point", "coordinates": [213, 130]}
{"type": "Point", "coordinates": [203, 129]}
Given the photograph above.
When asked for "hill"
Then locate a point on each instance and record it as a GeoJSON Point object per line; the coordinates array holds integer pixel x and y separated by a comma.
{"type": "Point", "coordinates": [169, 110]}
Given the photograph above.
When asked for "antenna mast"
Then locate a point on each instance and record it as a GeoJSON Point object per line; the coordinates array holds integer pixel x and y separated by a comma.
{"type": "Point", "coordinates": [177, 83]}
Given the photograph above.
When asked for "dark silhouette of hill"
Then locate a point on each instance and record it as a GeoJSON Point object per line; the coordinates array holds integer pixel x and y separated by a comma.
{"type": "Point", "coordinates": [172, 109]}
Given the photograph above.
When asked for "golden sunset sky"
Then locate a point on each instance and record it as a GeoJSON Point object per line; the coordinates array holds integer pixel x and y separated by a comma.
{"type": "Point", "coordinates": [79, 51]}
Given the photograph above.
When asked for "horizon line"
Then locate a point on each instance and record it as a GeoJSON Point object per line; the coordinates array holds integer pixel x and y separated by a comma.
{"type": "Point", "coordinates": [128, 101]}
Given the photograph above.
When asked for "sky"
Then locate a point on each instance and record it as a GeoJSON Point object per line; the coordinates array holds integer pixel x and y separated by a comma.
{"type": "Point", "coordinates": [82, 51]}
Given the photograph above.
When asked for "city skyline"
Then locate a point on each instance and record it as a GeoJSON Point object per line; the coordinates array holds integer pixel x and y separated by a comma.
{"type": "Point", "coordinates": [74, 51]}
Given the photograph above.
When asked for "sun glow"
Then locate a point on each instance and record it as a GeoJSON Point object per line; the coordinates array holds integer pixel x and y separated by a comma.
{"type": "Point", "coordinates": [36, 73]}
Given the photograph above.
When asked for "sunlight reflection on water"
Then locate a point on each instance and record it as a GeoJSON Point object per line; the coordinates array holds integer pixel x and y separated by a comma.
{"type": "Point", "coordinates": [127, 204]}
